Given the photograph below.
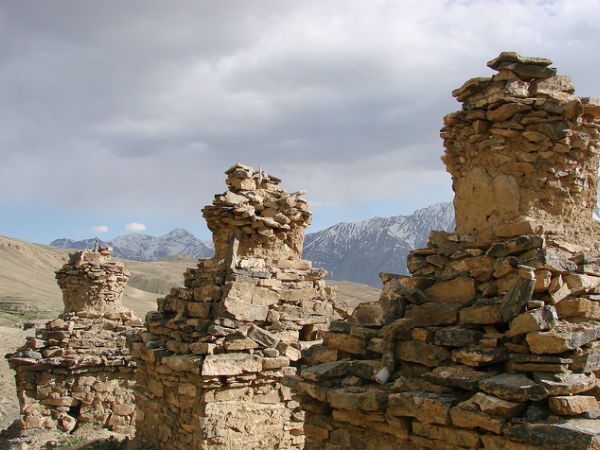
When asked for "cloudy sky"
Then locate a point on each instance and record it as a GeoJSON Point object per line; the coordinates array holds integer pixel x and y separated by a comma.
{"type": "Point", "coordinates": [121, 116]}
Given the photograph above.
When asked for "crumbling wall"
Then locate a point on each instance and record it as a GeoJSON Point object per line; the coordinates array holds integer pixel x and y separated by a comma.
{"type": "Point", "coordinates": [523, 153]}
{"type": "Point", "coordinates": [77, 371]}
{"type": "Point", "coordinates": [494, 341]}
{"type": "Point", "coordinates": [211, 363]}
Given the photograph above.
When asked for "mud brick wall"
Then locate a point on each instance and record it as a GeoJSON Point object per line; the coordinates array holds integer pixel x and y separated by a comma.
{"type": "Point", "coordinates": [494, 341]}
{"type": "Point", "coordinates": [215, 353]}
{"type": "Point", "coordinates": [77, 372]}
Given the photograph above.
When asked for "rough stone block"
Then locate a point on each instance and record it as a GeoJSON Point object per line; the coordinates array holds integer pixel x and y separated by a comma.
{"type": "Point", "coordinates": [447, 435]}
{"type": "Point", "coordinates": [230, 364]}
{"type": "Point", "coordinates": [370, 400]}
{"type": "Point", "coordinates": [563, 338]}
{"type": "Point", "coordinates": [573, 434]}
{"type": "Point", "coordinates": [572, 405]}
{"type": "Point", "coordinates": [416, 351]}
{"type": "Point", "coordinates": [425, 407]}
{"type": "Point", "coordinates": [458, 290]}
{"type": "Point", "coordinates": [558, 384]}
{"type": "Point", "coordinates": [481, 314]}
{"type": "Point", "coordinates": [462, 377]}
{"type": "Point", "coordinates": [544, 318]}
{"type": "Point", "coordinates": [431, 314]}
{"type": "Point", "coordinates": [477, 357]}
{"type": "Point", "coordinates": [513, 387]}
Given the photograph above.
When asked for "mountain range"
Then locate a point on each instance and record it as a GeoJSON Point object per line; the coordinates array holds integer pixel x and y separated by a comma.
{"type": "Point", "coordinates": [359, 251]}
{"type": "Point", "coordinates": [143, 247]}
{"type": "Point", "coordinates": [349, 251]}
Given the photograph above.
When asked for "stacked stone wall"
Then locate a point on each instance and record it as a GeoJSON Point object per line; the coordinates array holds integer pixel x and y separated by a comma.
{"type": "Point", "coordinates": [215, 353]}
{"type": "Point", "coordinates": [493, 342]}
{"type": "Point", "coordinates": [76, 371]}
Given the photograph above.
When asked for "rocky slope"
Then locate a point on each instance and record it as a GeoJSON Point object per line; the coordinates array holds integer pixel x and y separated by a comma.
{"type": "Point", "coordinates": [359, 251]}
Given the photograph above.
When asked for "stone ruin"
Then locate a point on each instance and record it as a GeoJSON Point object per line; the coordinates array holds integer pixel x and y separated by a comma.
{"type": "Point", "coordinates": [494, 341]}
{"type": "Point", "coordinates": [211, 364]}
{"type": "Point", "coordinates": [76, 372]}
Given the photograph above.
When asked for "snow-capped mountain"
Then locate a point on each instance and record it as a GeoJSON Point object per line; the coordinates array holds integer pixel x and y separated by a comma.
{"type": "Point", "coordinates": [359, 251]}
{"type": "Point", "coordinates": [143, 247]}
{"type": "Point", "coordinates": [349, 251]}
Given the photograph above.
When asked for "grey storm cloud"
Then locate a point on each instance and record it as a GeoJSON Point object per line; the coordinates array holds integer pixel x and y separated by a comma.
{"type": "Point", "coordinates": [148, 102]}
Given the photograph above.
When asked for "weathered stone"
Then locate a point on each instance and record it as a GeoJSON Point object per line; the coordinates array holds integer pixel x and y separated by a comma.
{"type": "Point", "coordinates": [432, 314]}
{"type": "Point", "coordinates": [476, 357]}
{"type": "Point", "coordinates": [456, 337]}
{"type": "Point", "coordinates": [588, 360]}
{"type": "Point", "coordinates": [462, 377]}
{"type": "Point", "coordinates": [447, 435]}
{"type": "Point", "coordinates": [514, 57]}
{"type": "Point", "coordinates": [263, 337]}
{"type": "Point", "coordinates": [496, 406]}
{"type": "Point", "coordinates": [229, 364]}
{"type": "Point", "coordinates": [425, 407]}
{"type": "Point", "coordinates": [513, 387]}
{"type": "Point", "coordinates": [544, 318]}
{"type": "Point", "coordinates": [526, 362]}
{"type": "Point", "coordinates": [481, 314]}
{"type": "Point", "coordinates": [578, 309]}
{"type": "Point", "coordinates": [345, 343]}
{"type": "Point", "coordinates": [562, 339]}
{"type": "Point", "coordinates": [516, 299]}
{"type": "Point", "coordinates": [458, 290]}
{"type": "Point", "coordinates": [467, 418]}
{"type": "Point", "coordinates": [571, 434]}
{"type": "Point", "coordinates": [80, 361]}
{"type": "Point", "coordinates": [323, 371]}
{"type": "Point", "coordinates": [369, 314]}
{"type": "Point", "coordinates": [371, 400]}
{"type": "Point", "coordinates": [427, 354]}
{"type": "Point", "coordinates": [558, 384]}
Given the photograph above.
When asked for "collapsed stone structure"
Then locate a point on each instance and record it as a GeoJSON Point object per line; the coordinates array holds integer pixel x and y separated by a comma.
{"type": "Point", "coordinates": [77, 372]}
{"type": "Point", "coordinates": [494, 341]}
{"type": "Point", "coordinates": [211, 363]}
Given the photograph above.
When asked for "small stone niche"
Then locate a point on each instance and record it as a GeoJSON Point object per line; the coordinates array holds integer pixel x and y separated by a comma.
{"type": "Point", "coordinates": [212, 361]}
{"type": "Point", "coordinates": [77, 372]}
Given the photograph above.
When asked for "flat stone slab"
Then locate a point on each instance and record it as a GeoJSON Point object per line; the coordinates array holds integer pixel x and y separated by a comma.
{"type": "Point", "coordinates": [424, 406]}
{"type": "Point", "coordinates": [573, 434]}
{"type": "Point", "coordinates": [514, 57]}
{"type": "Point", "coordinates": [566, 383]}
{"type": "Point", "coordinates": [462, 377]}
{"type": "Point", "coordinates": [513, 387]}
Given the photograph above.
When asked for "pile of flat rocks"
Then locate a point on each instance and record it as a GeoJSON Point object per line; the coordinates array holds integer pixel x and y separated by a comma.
{"type": "Point", "coordinates": [77, 372]}
{"type": "Point", "coordinates": [212, 361]}
{"type": "Point", "coordinates": [494, 341]}
{"type": "Point", "coordinates": [522, 153]}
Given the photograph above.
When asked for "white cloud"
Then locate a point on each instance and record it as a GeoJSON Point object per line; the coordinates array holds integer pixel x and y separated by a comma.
{"type": "Point", "coordinates": [344, 101]}
{"type": "Point", "coordinates": [99, 229]}
{"type": "Point", "coordinates": [134, 226]}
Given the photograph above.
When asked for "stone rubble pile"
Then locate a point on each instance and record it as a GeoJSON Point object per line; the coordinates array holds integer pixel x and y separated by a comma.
{"type": "Point", "coordinates": [494, 341]}
{"type": "Point", "coordinates": [77, 372]}
{"type": "Point", "coordinates": [522, 153]}
{"type": "Point", "coordinates": [211, 363]}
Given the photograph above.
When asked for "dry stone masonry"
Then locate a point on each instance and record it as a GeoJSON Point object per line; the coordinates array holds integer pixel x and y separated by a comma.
{"type": "Point", "coordinates": [211, 363]}
{"type": "Point", "coordinates": [77, 371]}
{"type": "Point", "coordinates": [494, 341]}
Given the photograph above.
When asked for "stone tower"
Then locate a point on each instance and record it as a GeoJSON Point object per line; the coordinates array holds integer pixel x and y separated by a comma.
{"type": "Point", "coordinates": [494, 341]}
{"type": "Point", "coordinates": [77, 371]}
{"type": "Point", "coordinates": [213, 358]}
